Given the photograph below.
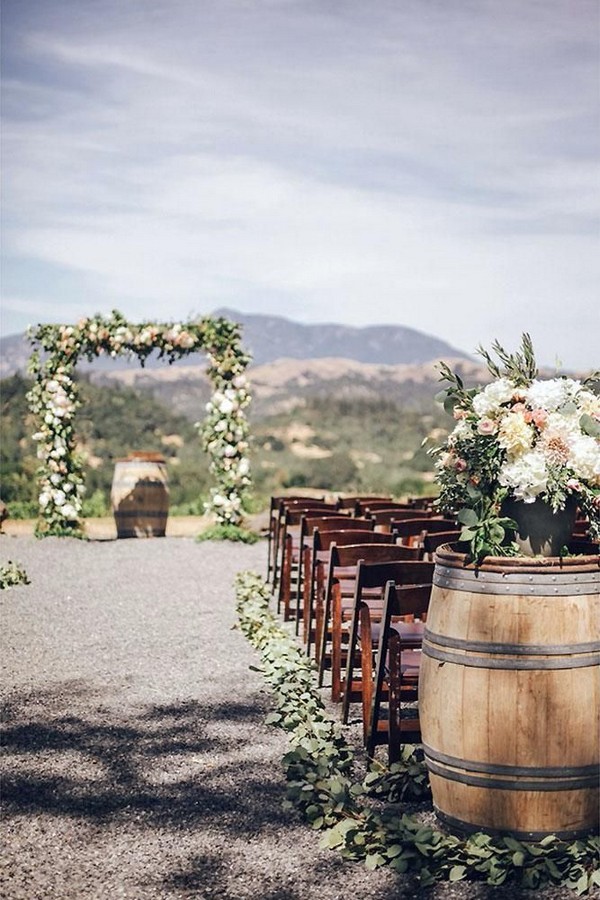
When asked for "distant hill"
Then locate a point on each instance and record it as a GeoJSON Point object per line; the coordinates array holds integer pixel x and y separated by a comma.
{"type": "Point", "coordinates": [285, 384]}
{"type": "Point", "coordinates": [269, 338]}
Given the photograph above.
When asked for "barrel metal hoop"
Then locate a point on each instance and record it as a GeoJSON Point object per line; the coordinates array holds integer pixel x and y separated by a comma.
{"type": "Point", "coordinates": [458, 826]}
{"type": "Point", "coordinates": [513, 649]}
{"type": "Point", "coordinates": [483, 662]}
{"type": "Point", "coordinates": [517, 583]}
{"type": "Point", "coordinates": [547, 784]}
{"type": "Point", "coordinates": [470, 765]}
{"type": "Point", "coordinates": [141, 513]}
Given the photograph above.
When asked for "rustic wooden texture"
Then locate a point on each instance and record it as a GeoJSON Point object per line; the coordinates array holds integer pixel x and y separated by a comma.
{"type": "Point", "coordinates": [535, 718]}
{"type": "Point", "coordinates": [140, 496]}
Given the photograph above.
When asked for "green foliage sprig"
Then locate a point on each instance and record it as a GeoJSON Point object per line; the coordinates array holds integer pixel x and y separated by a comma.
{"type": "Point", "coordinates": [320, 784]}
{"type": "Point", "coordinates": [228, 533]}
{"type": "Point", "coordinates": [12, 574]}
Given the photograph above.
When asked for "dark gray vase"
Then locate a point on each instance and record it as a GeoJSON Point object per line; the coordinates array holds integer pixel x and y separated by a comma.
{"type": "Point", "coordinates": [541, 531]}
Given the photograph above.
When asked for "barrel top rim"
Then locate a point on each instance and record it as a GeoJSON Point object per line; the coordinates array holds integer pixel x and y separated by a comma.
{"type": "Point", "coordinates": [156, 458]}
{"type": "Point", "coordinates": [447, 556]}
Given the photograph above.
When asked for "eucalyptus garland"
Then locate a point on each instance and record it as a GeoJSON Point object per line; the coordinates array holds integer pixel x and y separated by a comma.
{"type": "Point", "coordinates": [54, 399]}
{"type": "Point", "coordinates": [321, 785]}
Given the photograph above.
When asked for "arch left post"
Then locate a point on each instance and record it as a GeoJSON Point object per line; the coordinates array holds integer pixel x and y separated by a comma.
{"type": "Point", "coordinates": [53, 399]}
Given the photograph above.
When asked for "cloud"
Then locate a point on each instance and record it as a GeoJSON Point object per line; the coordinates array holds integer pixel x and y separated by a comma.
{"type": "Point", "coordinates": [431, 165]}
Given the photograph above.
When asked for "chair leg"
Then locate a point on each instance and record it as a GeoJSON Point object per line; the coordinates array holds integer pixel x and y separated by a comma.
{"type": "Point", "coordinates": [285, 580]}
{"type": "Point", "coordinates": [350, 661]}
{"type": "Point", "coordinates": [366, 664]}
{"type": "Point", "coordinates": [336, 645]}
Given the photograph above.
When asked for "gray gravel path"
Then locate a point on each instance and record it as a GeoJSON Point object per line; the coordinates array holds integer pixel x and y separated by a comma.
{"type": "Point", "coordinates": [135, 759]}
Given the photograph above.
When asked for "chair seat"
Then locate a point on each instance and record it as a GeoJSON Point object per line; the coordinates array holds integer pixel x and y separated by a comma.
{"type": "Point", "coordinates": [410, 663]}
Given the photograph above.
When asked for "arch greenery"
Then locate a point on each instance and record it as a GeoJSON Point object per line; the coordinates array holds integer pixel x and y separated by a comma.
{"type": "Point", "coordinates": [53, 399]}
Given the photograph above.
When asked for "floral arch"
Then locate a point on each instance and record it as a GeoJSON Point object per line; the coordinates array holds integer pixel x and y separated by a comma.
{"type": "Point", "coordinates": [54, 399]}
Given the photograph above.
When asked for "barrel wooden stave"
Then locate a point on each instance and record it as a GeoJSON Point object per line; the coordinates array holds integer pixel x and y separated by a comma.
{"type": "Point", "coordinates": [140, 496]}
{"type": "Point", "coordinates": [512, 720]}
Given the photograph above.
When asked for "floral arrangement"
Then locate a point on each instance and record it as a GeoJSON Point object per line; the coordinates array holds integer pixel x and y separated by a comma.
{"type": "Point", "coordinates": [517, 438]}
{"type": "Point", "coordinates": [54, 399]}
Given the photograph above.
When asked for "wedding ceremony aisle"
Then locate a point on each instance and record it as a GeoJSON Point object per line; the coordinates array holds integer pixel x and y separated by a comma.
{"type": "Point", "coordinates": [136, 760]}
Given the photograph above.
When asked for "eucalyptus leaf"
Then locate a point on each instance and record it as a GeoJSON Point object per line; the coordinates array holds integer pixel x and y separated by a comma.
{"type": "Point", "coordinates": [468, 516]}
{"type": "Point", "coordinates": [457, 873]}
{"type": "Point", "coordinates": [589, 425]}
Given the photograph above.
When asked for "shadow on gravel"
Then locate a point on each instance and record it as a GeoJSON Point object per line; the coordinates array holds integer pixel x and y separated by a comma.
{"type": "Point", "coordinates": [178, 766]}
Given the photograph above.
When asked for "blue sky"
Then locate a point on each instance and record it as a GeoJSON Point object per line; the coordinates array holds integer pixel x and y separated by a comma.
{"type": "Point", "coordinates": [417, 162]}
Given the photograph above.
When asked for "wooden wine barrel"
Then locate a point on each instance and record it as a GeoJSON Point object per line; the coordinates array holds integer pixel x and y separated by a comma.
{"type": "Point", "coordinates": [140, 495]}
{"type": "Point", "coordinates": [509, 694]}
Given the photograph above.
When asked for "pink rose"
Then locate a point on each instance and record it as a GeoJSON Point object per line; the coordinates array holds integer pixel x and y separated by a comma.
{"type": "Point", "coordinates": [486, 426]}
{"type": "Point", "coordinates": [539, 417]}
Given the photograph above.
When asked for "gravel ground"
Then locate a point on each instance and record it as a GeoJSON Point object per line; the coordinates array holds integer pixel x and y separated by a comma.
{"type": "Point", "coordinates": [136, 763]}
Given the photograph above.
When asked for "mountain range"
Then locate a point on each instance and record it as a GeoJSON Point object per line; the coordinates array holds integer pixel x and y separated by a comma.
{"type": "Point", "coordinates": [269, 338]}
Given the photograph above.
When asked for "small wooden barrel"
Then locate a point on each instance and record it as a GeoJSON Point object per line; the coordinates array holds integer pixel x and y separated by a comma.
{"type": "Point", "coordinates": [509, 694]}
{"type": "Point", "coordinates": [140, 495]}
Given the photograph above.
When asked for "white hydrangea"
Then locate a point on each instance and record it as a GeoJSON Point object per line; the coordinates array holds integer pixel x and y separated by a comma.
{"type": "Point", "coordinates": [526, 476]}
{"type": "Point", "coordinates": [584, 458]}
{"type": "Point", "coordinates": [551, 394]}
{"type": "Point", "coordinates": [491, 398]}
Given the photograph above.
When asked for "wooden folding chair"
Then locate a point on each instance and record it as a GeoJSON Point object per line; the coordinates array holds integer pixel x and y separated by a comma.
{"type": "Point", "coordinates": [276, 525]}
{"type": "Point", "coordinates": [338, 591]}
{"type": "Point", "coordinates": [371, 580]}
{"type": "Point", "coordinates": [431, 540]}
{"type": "Point", "coordinates": [340, 599]}
{"type": "Point", "coordinates": [410, 531]}
{"type": "Point", "coordinates": [370, 506]}
{"type": "Point", "coordinates": [275, 512]}
{"type": "Point", "coordinates": [316, 568]}
{"type": "Point", "coordinates": [398, 642]}
{"type": "Point", "coordinates": [328, 521]}
{"type": "Point", "coordinates": [351, 502]}
{"type": "Point", "coordinates": [289, 555]}
{"type": "Point", "coordinates": [422, 502]}
{"type": "Point", "coordinates": [384, 517]}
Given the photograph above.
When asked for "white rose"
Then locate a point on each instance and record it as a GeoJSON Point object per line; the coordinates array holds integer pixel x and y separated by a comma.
{"type": "Point", "coordinates": [225, 407]}
{"type": "Point", "coordinates": [59, 497]}
{"type": "Point", "coordinates": [69, 511]}
{"type": "Point", "coordinates": [44, 499]}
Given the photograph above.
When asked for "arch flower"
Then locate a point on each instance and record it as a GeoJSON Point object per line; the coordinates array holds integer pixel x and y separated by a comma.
{"type": "Point", "coordinates": [54, 400]}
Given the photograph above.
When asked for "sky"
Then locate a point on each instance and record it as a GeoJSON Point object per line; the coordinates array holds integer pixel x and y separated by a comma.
{"type": "Point", "coordinates": [428, 163]}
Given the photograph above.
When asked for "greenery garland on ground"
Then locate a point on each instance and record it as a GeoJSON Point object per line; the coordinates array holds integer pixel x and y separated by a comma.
{"type": "Point", "coordinates": [54, 399]}
{"type": "Point", "coordinates": [320, 783]}
{"type": "Point", "coordinates": [11, 574]}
